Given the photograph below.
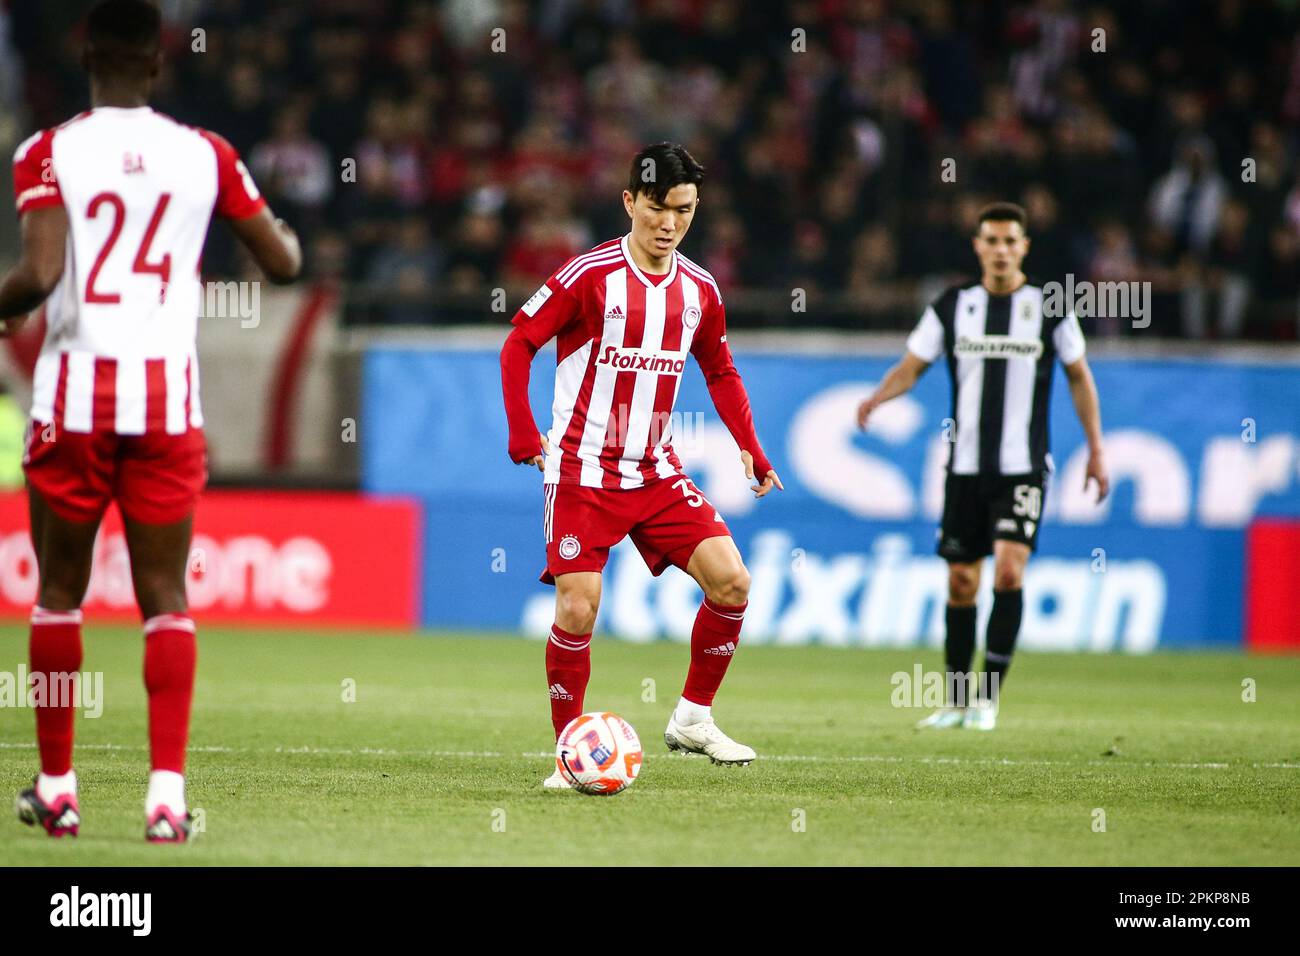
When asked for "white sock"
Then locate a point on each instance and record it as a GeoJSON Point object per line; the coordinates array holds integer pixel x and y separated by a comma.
{"type": "Point", "coordinates": [166, 789]}
{"type": "Point", "coordinates": [50, 786]}
{"type": "Point", "coordinates": [688, 713]}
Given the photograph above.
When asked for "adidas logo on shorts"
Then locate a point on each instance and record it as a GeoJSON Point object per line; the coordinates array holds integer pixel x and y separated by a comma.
{"type": "Point", "coordinates": [722, 650]}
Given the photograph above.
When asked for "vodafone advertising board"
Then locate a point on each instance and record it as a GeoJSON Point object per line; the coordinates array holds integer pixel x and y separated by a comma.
{"type": "Point", "coordinates": [278, 558]}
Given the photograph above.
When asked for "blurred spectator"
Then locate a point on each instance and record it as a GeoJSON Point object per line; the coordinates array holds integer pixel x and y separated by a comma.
{"type": "Point", "coordinates": [1114, 260]}
{"type": "Point", "coordinates": [628, 85]}
{"type": "Point", "coordinates": [542, 243]}
{"type": "Point", "coordinates": [724, 249]}
{"type": "Point", "coordinates": [1231, 261]}
{"type": "Point", "coordinates": [1049, 252]}
{"type": "Point", "coordinates": [407, 268]}
{"type": "Point", "coordinates": [327, 256]}
{"type": "Point", "coordinates": [1272, 169]}
{"type": "Point", "coordinates": [391, 157]}
{"type": "Point", "coordinates": [873, 275]}
{"type": "Point", "coordinates": [475, 252]}
{"type": "Point", "coordinates": [10, 85]}
{"type": "Point", "coordinates": [293, 168]}
{"type": "Point", "coordinates": [339, 113]}
{"type": "Point", "coordinates": [949, 61]}
{"type": "Point", "coordinates": [245, 117]}
{"type": "Point", "coordinates": [1279, 286]}
{"type": "Point", "coordinates": [1187, 200]}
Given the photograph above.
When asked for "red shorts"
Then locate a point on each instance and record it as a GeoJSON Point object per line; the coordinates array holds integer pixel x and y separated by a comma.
{"type": "Point", "coordinates": [667, 518]}
{"type": "Point", "coordinates": [155, 478]}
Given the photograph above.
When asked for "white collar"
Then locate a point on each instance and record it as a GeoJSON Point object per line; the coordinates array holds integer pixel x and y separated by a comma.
{"type": "Point", "coordinates": [627, 255]}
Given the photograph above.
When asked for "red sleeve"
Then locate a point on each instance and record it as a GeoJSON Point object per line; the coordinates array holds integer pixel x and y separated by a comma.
{"type": "Point", "coordinates": [709, 346]}
{"type": "Point", "coordinates": [35, 183]}
{"type": "Point", "coordinates": [548, 313]}
{"type": "Point", "coordinates": [551, 309]}
{"type": "Point", "coordinates": [237, 195]}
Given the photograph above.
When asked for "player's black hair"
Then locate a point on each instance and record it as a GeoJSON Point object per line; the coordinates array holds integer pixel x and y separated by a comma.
{"type": "Point", "coordinates": [1003, 212]}
{"type": "Point", "coordinates": [123, 37]}
{"type": "Point", "coordinates": [658, 168]}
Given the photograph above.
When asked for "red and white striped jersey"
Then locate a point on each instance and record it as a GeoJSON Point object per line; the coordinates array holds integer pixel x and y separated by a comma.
{"type": "Point", "coordinates": [623, 338]}
{"type": "Point", "coordinates": [139, 189]}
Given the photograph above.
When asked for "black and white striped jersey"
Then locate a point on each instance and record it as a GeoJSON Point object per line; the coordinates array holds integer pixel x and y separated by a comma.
{"type": "Point", "coordinates": [1000, 351]}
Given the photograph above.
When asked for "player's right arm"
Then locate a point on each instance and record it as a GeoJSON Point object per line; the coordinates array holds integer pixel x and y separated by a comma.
{"type": "Point", "coordinates": [44, 232]}
{"type": "Point", "coordinates": [551, 309]}
{"type": "Point", "coordinates": [29, 283]}
{"type": "Point", "coordinates": [924, 345]}
{"type": "Point", "coordinates": [273, 245]}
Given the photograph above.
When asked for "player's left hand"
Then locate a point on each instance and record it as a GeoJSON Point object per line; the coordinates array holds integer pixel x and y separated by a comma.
{"type": "Point", "coordinates": [770, 480]}
{"type": "Point", "coordinates": [1097, 472]}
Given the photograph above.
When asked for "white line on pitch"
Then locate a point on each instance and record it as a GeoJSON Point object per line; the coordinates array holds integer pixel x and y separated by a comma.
{"type": "Point", "coordinates": [822, 758]}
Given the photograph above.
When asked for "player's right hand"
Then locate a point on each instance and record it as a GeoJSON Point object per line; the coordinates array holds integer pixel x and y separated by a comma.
{"type": "Point", "coordinates": [539, 460]}
{"type": "Point", "coordinates": [864, 412]}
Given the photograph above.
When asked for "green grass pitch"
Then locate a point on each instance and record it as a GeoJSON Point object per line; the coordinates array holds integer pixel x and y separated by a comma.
{"type": "Point", "coordinates": [440, 758]}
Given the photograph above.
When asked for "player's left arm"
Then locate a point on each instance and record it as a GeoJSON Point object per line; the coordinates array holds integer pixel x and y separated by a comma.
{"type": "Point", "coordinates": [39, 268]}
{"type": "Point", "coordinates": [1068, 338]}
{"type": "Point", "coordinates": [709, 346]}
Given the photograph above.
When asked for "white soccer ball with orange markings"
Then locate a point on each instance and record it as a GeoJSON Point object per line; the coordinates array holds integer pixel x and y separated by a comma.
{"type": "Point", "coordinates": [599, 753]}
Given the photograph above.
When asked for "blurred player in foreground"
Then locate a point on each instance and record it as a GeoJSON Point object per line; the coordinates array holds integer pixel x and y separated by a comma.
{"type": "Point", "coordinates": [114, 207]}
{"type": "Point", "coordinates": [1000, 344]}
{"type": "Point", "coordinates": [625, 316]}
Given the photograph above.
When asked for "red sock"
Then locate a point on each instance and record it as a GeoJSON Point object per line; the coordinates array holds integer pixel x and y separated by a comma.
{"type": "Point", "coordinates": [713, 642]}
{"type": "Point", "coordinates": [169, 656]}
{"type": "Point", "coordinates": [54, 651]}
{"type": "Point", "coordinates": [568, 668]}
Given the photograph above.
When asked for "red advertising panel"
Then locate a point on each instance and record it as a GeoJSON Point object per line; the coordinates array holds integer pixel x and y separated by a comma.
{"type": "Point", "coordinates": [277, 558]}
{"type": "Point", "coordinates": [1273, 586]}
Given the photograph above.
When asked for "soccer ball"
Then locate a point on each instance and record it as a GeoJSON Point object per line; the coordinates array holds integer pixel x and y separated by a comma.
{"type": "Point", "coordinates": [599, 753]}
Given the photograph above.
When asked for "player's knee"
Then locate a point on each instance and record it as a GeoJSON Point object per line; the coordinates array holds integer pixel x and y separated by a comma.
{"type": "Point", "coordinates": [60, 595]}
{"type": "Point", "coordinates": [575, 611]}
{"type": "Point", "coordinates": [963, 583]}
{"type": "Point", "coordinates": [1008, 577]}
{"type": "Point", "coordinates": [159, 594]}
{"type": "Point", "coordinates": [733, 590]}
{"type": "Point", "coordinates": [62, 588]}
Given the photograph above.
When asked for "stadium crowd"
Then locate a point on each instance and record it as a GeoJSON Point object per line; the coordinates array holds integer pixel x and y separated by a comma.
{"type": "Point", "coordinates": [450, 147]}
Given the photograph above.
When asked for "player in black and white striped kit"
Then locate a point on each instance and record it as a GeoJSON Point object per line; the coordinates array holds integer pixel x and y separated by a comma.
{"type": "Point", "coordinates": [1001, 351]}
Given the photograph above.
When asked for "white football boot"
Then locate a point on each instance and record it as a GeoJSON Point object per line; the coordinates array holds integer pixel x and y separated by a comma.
{"type": "Point", "coordinates": [981, 715]}
{"type": "Point", "coordinates": [943, 717]}
{"type": "Point", "coordinates": [557, 781]}
{"type": "Point", "coordinates": [704, 737]}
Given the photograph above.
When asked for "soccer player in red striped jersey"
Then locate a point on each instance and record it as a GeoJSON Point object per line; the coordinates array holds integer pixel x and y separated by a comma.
{"type": "Point", "coordinates": [625, 316]}
{"type": "Point", "coordinates": [114, 207]}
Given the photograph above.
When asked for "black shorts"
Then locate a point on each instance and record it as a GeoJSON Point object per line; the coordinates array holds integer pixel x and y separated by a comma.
{"type": "Point", "coordinates": [981, 509]}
